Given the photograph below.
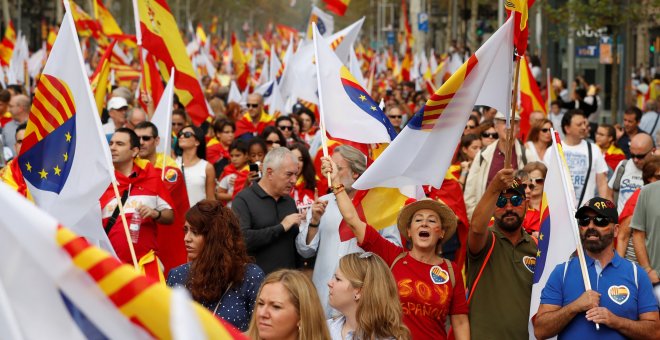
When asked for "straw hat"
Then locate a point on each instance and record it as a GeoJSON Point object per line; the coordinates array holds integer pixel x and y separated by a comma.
{"type": "Point", "coordinates": [447, 216]}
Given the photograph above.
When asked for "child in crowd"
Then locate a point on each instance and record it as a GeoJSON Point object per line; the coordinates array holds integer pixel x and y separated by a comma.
{"type": "Point", "coordinates": [235, 175]}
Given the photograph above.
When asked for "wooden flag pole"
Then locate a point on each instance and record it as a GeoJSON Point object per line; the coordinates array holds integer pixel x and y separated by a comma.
{"type": "Point", "coordinates": [511, 142]}
{"type": "Point", "coordinates": [125, 223]}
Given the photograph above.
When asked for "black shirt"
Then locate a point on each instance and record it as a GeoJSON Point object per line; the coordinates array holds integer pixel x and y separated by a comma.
{"type": "Point", "coordinates": [261, 218]}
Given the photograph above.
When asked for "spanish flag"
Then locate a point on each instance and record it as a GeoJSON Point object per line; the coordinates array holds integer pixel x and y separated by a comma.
{"type": "Point", "coordinates": [530, 97]}
{"type": "Point", "coordinates": [241, 69]}
{"type": "Point", "coordinates": [99, 80]}
{"type": "Point", "coordinates": [337, 6]}
{"type": "Point", "coordinates": [7, 45]}
{"type": "Point", "coordinates": [109, 25]}
{"type": "Point", "coordinates": [160, 36]}
{"type": "Point", "coordinates": [519, 8]}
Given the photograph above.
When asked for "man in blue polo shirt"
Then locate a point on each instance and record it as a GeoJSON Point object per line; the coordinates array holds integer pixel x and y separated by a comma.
{"type": "Point", "coordinates": [622, 300]}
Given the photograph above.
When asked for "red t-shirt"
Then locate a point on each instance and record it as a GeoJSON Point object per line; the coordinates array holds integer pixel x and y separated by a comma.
{"type": "Point", "coordinates": [629, 207]}
{"type": "Point", "coordinates": [426, 298]}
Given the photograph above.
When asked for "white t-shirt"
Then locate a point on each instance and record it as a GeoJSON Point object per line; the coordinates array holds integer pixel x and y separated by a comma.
{"type": "Point", "coordinates": [577, 159]}
{"type": "Point", "coordinates": [630, 181]}
{"type": "Point", "coordinates": [227, 185]}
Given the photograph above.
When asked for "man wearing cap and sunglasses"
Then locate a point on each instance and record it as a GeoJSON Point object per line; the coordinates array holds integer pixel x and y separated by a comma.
{"type": "Point", "coordinates": [622, 300]}
{"type": "Point", "coordinates": [500, 262]}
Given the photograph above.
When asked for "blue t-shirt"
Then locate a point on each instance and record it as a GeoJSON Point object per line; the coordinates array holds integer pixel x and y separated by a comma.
{"type": "Point", "coordinates": [621, 293]}
{"type": "Point", "coordinates": [237, 304]}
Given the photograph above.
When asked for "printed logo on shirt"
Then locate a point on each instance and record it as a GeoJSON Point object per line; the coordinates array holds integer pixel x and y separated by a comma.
{"type": "Point", "coordinates": [619, 294]}
{"type": "Point", "coordinates": [530, 263]}
{"type": "Point", "coordinates": [438, 275]}
{"type": "Point", "coordinates": [171, 175]}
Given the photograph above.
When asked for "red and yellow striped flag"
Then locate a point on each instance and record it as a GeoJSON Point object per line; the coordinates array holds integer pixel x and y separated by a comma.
{"type": "Point", "coordinates": [99, 80]}
{"type": "Point", "coordinates": [530, 97]}
{"type": "Point", "coordinates": [240, 64]}
{"type": "Point", "coordinates": [7, 45]}
{"type": "Point", "coordinates": [160, 36]}
{"type": "Point", "coordinates": [338, 7]}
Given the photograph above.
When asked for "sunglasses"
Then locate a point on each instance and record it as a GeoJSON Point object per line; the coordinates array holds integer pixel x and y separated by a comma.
{"type": "Point", "coordinates": [285, 128]}
{"type": "Point", "coordinates": [537, 181]}
{"type": "Point", "coordinates": [146, 138]}
{"type": "Point", "coordinates": [251, 106]}
{"type": "Point", "coordinates": [186, 134]}
{"type": "Point", "coordinates": [599, 221]}
{"type": "Point", "coordinates": [530, 186]}
{"type": "Point", "coordinates": [545, 130]}
{"type": "Point", "coordinates": [469, 127]}
{"type": "Point", "coordinates": [396, 117]}
{"type": "Point", "coordinates": [639, 156]}
{"type": "Point", "coordinates": [271, 142]}
{"type": "Point", "coordinates": [489, 135]}
{"type": "Point", "coordinates": [515, 200]}
{"type": "Point", "coordinates": [177, 124]}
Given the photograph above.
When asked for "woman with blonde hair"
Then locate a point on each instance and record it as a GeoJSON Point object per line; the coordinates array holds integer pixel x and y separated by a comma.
{"type": "Point", "coordinates": [364, 292]}
{"type": "Point", "coordinates": [288, 307]}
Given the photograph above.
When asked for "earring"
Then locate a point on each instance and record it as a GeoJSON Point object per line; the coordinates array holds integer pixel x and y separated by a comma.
{"type": "Point", "coordinates": [355, 297]}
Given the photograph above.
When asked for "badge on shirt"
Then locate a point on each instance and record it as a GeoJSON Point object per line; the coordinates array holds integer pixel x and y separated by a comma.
{"type": "Point", "coordinates": [619, 294]}
{"type": "Point", "coordinates": [530, 263]}
{"type": "Point", "coordinates": [171, 175]}
{"type": "Point", "coordinates": [438, 275]}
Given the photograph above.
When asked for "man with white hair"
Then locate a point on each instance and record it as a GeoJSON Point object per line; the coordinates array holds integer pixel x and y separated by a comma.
{"type": "Point", "coordinates": [267, 214]}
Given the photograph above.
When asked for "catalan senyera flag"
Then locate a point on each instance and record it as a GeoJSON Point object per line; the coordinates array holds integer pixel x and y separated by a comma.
{"type": "Point", "coordinates": [65, 158]}
{"type": "Point", "coordinates": [160, 36]}
{"type": "Point", "coordinates": [414, 158]}
{"type": "Point", "coordinates": [240, 65]}
{"type": "Point", "coordinates": [101, 77]}
{"type": "Point", "coordinates": [46, 265]}
{"type": "Point", "coordinates": [556, 241]}
{"type": "Point", "coordinates": [7, 45]}
{"type": "Point", "coordinates": [350, 112]}
{"type": "Point", "coordinates": [530, 97]}
{"type": "Point", "coordinates": [338, 7]}
{"type": "Point", "coordinates": [519, 9]}
{"type": "Point", "coordinates": [125, 74]}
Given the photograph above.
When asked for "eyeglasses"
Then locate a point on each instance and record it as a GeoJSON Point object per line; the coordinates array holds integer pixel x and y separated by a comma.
{"type": "Point", "coordinates": [515, 200]}
{"type": "Point", "coordinates": [251, 106]}
{"type": "Point", "coordinates": [639, 156]}
{"type": "Point", "coordinates": [545, 130]}
{"type": "Point", "coordinates": [285, 127]}
{"type": "Point", "coordinates": [395, 117]}
{"type": "Point", "coordinates": [146, 138]}
{"type": "Point", "coordinates": [537, 181]}
{"type": "Point", "coordinates": [271, 142]}
{"type": "Point", "coordinates": [470, 127]}
{"type": "Point", "coordinates": [489, 135]}
{"type": "Point", "coordinates": [186, 134]}
{"type": "Point", "coordinates": [530, 186]}
{"type": "Point", "coordinates": [599, 221]}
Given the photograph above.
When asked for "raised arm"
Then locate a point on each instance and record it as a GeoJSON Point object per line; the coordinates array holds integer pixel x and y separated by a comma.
{"type": "Point", "coordinates": [478, 233]}
{"type": "Point", "coordinates": [344, 203]}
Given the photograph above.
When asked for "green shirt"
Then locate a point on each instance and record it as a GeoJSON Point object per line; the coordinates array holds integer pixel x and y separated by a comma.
{"type": "Point", "coordinates": [499, 308]}
{"type": "Point", "coordinates": [647, 219]}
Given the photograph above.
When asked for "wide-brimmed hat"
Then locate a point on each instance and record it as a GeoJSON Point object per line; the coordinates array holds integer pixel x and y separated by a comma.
{"type": "Point", "coordinates": [447, 216]}
{"type": "Point", "coordinates": [500, 115]}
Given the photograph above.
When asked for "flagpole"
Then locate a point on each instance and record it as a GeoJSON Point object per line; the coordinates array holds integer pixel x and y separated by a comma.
{"type": "Point", "coordinates": [565, 175]}
{"type": "Point", "coordinates": [324, 141]}
{"type": "Point", "coordinates": [514, 104]}
{"type": "Point", "coordinates": [548, 80]}
{"type": "Point", "coordinates": [125, 223]}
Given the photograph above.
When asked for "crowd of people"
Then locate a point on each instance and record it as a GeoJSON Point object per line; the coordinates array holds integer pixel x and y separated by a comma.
{"type": "Point", "coordinates": [259, 213]}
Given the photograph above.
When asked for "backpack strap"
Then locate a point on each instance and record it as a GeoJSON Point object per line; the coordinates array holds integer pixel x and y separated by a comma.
{"type": "Point", "coordinates": [450, 269]}
{"type": "Point", "coordinates": [481, 270]}
{"type": "Point", "coordinates": [586, 180]}
{"type": "Point", "coordinates": [616, 187]}
{"type": "Point", "coordinates": [398, 258]}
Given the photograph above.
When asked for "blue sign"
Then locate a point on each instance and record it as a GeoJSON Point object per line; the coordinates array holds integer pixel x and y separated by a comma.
{"type": "Point", "coordinates": [587, 51]}
{"type": "Point", "coordinates": [390, 38]}
{"type": "Point", "coordinates": [423, 22]}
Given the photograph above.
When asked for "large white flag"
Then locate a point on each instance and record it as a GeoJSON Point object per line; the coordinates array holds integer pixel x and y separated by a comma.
{"type": "Point", "coordinates": [556, 237]}
{"type": "Point", "coordinates": [347, 110]}
{"type": "Point", "coordinates": [162, 118]}
{"type": "Point", "coordinates": [422, 152]}
{"type": "Point", "coordinates": [65, 158]}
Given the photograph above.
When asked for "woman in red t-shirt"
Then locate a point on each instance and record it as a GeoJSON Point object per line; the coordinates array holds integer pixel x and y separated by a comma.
{"type": "Point", "coordinates": [430, 287]}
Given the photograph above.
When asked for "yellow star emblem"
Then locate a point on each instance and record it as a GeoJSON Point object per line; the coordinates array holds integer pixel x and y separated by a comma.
{"type": "Point", "coordinates": [66, 156]}
{"type": "Point", "coordinates": [373, 108]}
{"type": "Point", "coordinates": [363, 97]}
{"type": "Point", "coordinates": [57, 170]}
{"type": "Point", "coordinates": [28, 167]}
{"type": "Point", "coordinates": [68, 137]}
{"type": "Point", "coordinates": [43, 173]}
{"type": "Point", "coordinates": [538, 253]}
{"type": "Point", "coordinates": [540, 237]}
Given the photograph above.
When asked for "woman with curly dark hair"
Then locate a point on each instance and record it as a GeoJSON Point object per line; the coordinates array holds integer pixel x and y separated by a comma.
{"type": "Point", "coordinates": [303, 191]}
{"type": "Point", "coordinates": [220, 275]}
